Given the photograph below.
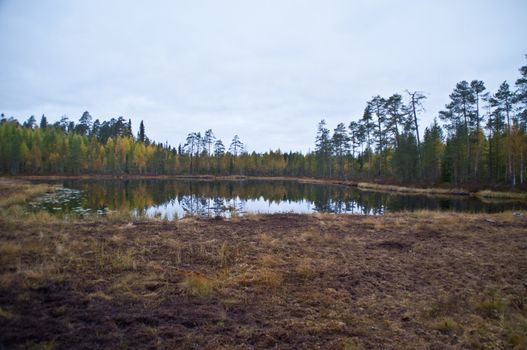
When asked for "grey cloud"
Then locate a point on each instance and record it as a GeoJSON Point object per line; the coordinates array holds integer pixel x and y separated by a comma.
{"type": "Point", "coordinates": [266, 70]}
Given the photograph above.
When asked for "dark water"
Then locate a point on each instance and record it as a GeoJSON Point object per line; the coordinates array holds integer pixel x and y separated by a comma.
{"type": "Point", "coordinates": [175, 199]}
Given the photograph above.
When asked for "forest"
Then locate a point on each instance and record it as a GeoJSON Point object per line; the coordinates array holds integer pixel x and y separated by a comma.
{"type": "Point", "coordinates": [480, 137]}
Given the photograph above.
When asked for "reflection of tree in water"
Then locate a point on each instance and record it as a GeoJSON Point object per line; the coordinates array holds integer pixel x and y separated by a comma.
{"type": "Point", "coordinates": [337, 199]}
{"type": "Point", "coordinates": [216, 197]}
{"type": "Point", "coordinates": [219, 206]}
{"type": "Point", "coordinates": [206, 206]}
{"type": "Point", "coordinates": [194, 205]}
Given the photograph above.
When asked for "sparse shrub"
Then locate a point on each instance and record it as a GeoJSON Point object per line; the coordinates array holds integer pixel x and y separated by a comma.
{"type": "Point", "coordinates": [493, 307]}
{"type": "Point", "coordinates": [445, 325]}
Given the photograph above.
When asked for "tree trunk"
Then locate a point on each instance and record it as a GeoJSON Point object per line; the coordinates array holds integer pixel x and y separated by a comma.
{"type": "Point", "coordinates": [509, 151]}
{"type": "Point", "coordinates": [417, 134]}
{"type": "Point", "coordinates": [380, 146]}
{"type": "Point", "coordinates": [521, 167]}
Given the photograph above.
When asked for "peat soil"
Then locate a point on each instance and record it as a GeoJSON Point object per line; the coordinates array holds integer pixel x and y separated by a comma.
{"type": "Point", "coordinates": [420, 280]}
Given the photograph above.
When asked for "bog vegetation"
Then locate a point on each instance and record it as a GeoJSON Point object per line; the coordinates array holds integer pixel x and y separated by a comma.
{"type": "Point", "coordinates": [481, 139]}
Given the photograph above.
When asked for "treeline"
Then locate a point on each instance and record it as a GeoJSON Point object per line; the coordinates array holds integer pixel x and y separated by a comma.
{"type": "Point", "coordinates": [109, 147]}
{"type": "Point", "coordinates": [482, 139]}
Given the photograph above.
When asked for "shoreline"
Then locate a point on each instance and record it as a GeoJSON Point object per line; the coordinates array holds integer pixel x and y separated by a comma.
{"type": "Point", "coordinates": [361, 185]}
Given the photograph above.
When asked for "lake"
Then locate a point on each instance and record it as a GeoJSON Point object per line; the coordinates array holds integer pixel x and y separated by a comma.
{"type": "Point", "coordinates": [172, 199]}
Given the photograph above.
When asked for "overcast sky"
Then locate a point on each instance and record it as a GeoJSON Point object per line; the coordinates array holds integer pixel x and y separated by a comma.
{"type": "Point", "coordinates": [267, 70]}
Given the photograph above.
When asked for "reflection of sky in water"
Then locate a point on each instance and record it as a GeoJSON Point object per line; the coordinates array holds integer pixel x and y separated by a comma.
{"type": "Point", "coordinates": [208, 207]}
{"type": "Point", "coordinates": [176, 208]}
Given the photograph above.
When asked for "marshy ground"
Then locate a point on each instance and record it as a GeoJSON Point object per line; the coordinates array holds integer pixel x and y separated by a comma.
{"type": "Point", "coordinates": [422, 280]}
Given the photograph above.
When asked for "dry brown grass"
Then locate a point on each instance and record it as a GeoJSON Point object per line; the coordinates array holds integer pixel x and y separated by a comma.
{"type": "Point", "coordinates": [198, 285]}
{"type": "Point", "coordinates": [409, 190]}
{"type": "Point", "coordinates": [261, 277]}
{"type": "Point", "coordinates": [306, 268]}
{"type": "Point", "coordinates": [268, 240]}
{"type": "Point", "coordinates": [19, 192]}
{"type": "Point", "coordinates": [5, 314]}
{"type": "Point", "coordinates": [485, 194]}
{"type": "Point", "coordinates": [501, 195]}
{"type": "Point", "coordinates": [272, 281]}
{"type": "Point", "coordinates": [269, 260]}
{"type": "Point", "coordinates": [9, 250]}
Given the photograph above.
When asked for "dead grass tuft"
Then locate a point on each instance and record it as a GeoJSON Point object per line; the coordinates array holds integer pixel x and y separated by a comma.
{"type": "Point", "coordinates": [268, 240]}
{"type": "Point", "coordinates": [493, 307]}
{"type": "Point", "coordinates": [9, 250]}
{"type": "Point", "coordinates": [445, 325]}
{"type": "Point", "coordinates": [351, 344]}
{"type": "Point", "coordinates": [99, 295]}
{"type": "Point", "coordinates": [198, 285]}
{"type": "Point", "coordinates": [261, 277]}
{"type": "Point", "coordinates": [269, 260]}
{"type": "Point", "coordinates": [6, 314]}
{"type": "Point", "coordinates": [305, 268]}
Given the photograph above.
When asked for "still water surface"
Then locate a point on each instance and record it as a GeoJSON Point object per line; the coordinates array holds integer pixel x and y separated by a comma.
{"type": "Point", "coordinates": [174, 199]}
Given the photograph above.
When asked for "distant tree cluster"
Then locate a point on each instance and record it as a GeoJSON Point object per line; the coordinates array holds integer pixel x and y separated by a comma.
{"type": "Point", "coordinates": [83, 148]}
{"type": "Point", "coordinates": [482, 139]}
{"type": "Point", "coordinates": [107, 147]}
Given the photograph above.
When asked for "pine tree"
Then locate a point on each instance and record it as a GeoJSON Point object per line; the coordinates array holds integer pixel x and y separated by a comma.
{"type": "Point", "coordinates": [521, 98]}
{"type": "Point", "coordinates": [323, 149]}
{"type": "Point", "coordinates": [478, 87]}
{"type": "Point", "coordinates": [433, 150]}
{"type": "Point", "coordinates": [414, 108]}
{"type": "Point", "coordinates": [395, 113]}
{"type": "Point", "coordinates": [236, 146]}
{"type": "Point", "coordinates": [30, 122]}
{"type": "Point", "coordinates": [376, 105]}
{"type": "Point", "coordinates": [43, 122]}
{"type": "Point", "coordinates": [340, 145]}
{"type": "Point", "coordinates": [219, 148]}
{"type": "Point", "coordinates": [503, 102]}
{"type": "Point", "coordinates": [208, 139]}
{"type": "Point", "coordinates": [141, 136]}
{"type": "Point", "coordinates": [84, 125]}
